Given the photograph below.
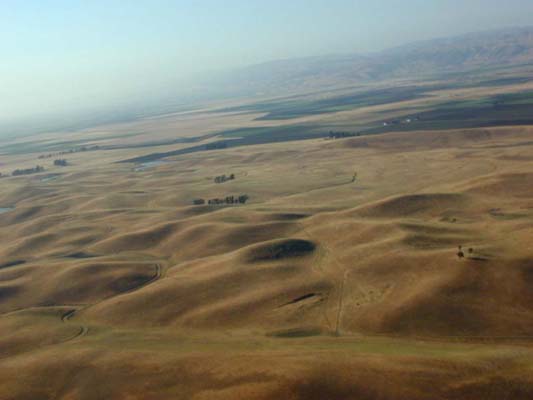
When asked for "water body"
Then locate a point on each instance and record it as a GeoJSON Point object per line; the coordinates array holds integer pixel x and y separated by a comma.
{"type": "Point", "coordinates": [50, 178]}
{"type": "Point", "coordinates": [148, 165]}
{"type": "Point", "coordinates": [5, 209]}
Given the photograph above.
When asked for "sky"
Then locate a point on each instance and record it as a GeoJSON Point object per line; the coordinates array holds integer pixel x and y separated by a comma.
{"type": "Point", "coordinates": [70, 56]}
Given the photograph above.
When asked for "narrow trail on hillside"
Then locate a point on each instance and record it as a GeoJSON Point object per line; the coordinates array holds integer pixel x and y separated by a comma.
{"type": "Point", "coordinates": [335, 185]}
{"type": "Point", "coordinates": [317, 264]}
{"type": "Point", "coordinates": [341, 285]}
{"type": "Point", "coordinates": [157, 275]}
{"type": "Point", "coordinates": [84, 329]}
{"type": "Point", "coordinates": [67, 316]}
{"type": "Point", "coordinates": [341, 299]}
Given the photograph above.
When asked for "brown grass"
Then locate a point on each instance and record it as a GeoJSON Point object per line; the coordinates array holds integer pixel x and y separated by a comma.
{"type": "Point", "coordinates": [318, 288]}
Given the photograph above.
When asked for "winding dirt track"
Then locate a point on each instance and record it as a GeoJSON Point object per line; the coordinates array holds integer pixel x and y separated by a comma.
{"type": "Point", "coordinates": [324, 251]}
{"type": "Point", "coordinates": [339, 308]}
{"type": "Point", "coordinates": [71, 313]}
{"type": "Point", "coordinates": [85, 329]}
{"type": "Point", "coordinates": [158, 274]}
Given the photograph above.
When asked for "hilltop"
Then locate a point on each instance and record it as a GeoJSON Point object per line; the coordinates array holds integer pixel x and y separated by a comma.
{"type": "Point", "coordinates": [431, 58]}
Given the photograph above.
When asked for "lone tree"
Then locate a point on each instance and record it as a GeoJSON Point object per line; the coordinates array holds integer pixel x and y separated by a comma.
{"type": "Point", "coordinates": [460, 253]}
{"type": "Point", "coordinates": [243, 198]}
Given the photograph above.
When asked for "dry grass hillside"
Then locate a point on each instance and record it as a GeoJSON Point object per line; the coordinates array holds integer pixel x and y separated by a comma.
{"type": "Point", "coordinates": [114, 285]}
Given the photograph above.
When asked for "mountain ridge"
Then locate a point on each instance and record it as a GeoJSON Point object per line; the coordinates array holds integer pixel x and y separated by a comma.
{"type": "Point", "coordinates": [495, 48]}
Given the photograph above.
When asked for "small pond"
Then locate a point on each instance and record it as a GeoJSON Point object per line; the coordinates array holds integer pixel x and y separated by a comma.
{"type": "Point", "coordinates": [148, 165]}
{"type": "Point", "coordinates": [49, 178]}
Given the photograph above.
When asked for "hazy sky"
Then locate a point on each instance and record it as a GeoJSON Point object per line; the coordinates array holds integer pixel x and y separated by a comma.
{"type": "Point", "coordinates": [64, 55]}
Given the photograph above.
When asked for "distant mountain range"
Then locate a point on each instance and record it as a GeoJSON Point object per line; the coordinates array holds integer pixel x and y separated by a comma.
{"type": "Point", "coordinates": [421, 59]}
{"type": "Point", "coordinates": [485, 51]}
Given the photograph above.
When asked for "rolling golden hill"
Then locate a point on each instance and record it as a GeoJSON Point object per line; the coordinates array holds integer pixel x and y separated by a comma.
{"type": "Point", "coordinates": [113, 285]}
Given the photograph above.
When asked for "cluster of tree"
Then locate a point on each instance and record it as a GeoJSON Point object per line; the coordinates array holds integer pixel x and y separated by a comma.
{"type": "Point", "coordinates": [76, 150]}
{"type": "Point", "coordinates": [242, 199]}
{"type": "Point", "coordinates": [216, 145]}
{"type": "Point", "coordinates": [60, 163]}
{"type": "Point", "coordinates": [224, 178]}
{"type": "Point", "coordinates": [461, 253]}
{"type": "Point", "coordinates": [340, 135]}
{"type": "Point", "coordinates": [27, 171]}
